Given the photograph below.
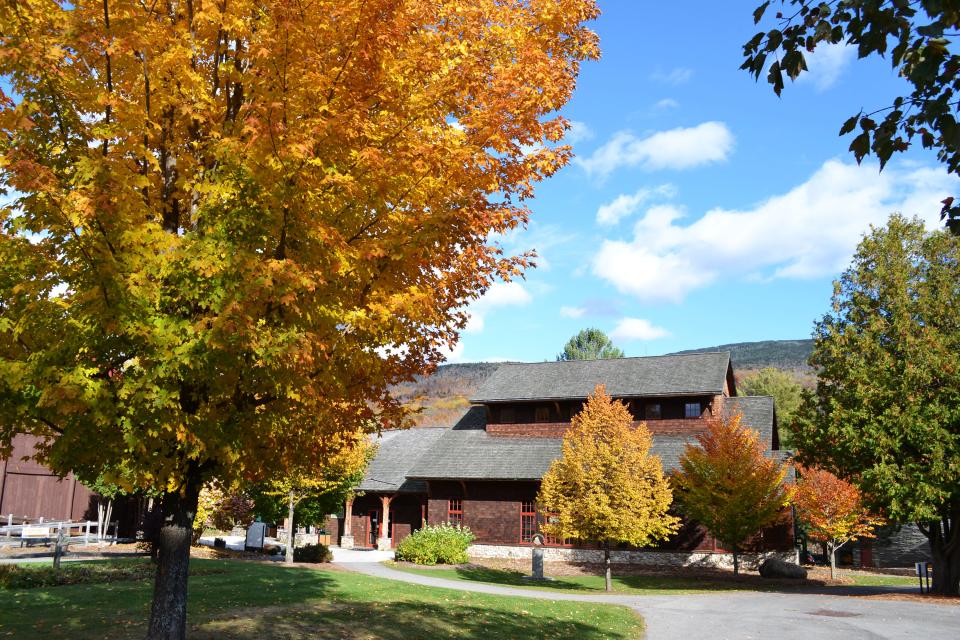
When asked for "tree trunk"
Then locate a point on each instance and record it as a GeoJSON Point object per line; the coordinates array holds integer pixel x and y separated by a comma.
{"type": "Point", "coordinates": [168, 615]}
{"type": "Point", "coordinates": [292, 532]}
{"type": "Point", "coordinates": [606, 564]}
{"type": "Point", "coordinates": [944, 537]}
{"type": "Point", "coordinates": [607, 573]}
{"type": "Point", "coordinates": [736, 561]}
{"type": "Point", "coordinates": [833, 560]}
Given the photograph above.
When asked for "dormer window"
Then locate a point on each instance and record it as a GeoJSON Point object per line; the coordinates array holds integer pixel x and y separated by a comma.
{"type": "Point", "coordinates": [508, 415]}
{"type": "Point", "coordinates": [653, 411]}
{"type": "Point", "coordinates": [542, 414]}
{"type": "Point", "coordinates": [692, 410]}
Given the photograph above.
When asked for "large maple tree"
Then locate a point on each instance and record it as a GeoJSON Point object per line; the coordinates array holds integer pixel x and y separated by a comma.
{"type": "Point", "coordinates": [233, 224]}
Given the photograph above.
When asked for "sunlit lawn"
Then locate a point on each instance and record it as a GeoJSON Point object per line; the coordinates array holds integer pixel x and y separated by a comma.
{"type": "Point", "coordinates": [243, 599]}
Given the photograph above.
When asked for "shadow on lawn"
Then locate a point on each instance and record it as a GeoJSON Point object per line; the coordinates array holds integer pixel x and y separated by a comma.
{"type": "Point", "coordinates": [704, 580]}
{"type": "Point", "coordinates": [399, 620]}
{"type": "Point", "coordinates": [475, 573]}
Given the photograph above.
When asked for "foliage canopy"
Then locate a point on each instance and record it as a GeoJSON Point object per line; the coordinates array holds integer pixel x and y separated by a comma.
{"type": "Point", "coordinates": [590, 344]}
{"type": "Point", "coordinates": [787, 395]}
{"type": "Point", "coordinates": [728, 484]}
{"type": "Point", "coordinates": [832, 510]}
{"type": "Point", "coordinates": [607, 487]}
{"type": "Point", "coordinates": [886, 411]}
{"type": "Point", "coordinates": [916, 35]}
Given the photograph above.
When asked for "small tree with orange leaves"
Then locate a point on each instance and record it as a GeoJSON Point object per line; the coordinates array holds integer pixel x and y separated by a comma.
{"type": "Point", "coordinates": [832, 510]}
{"type": "Point", "coordinates": [728, 485]}
{"type": "Point", "coordinates": [607, 487]}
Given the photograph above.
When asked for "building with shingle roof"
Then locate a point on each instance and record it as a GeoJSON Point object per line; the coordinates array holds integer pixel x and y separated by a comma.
{"type": "Point", "coordinates": [484, 470]}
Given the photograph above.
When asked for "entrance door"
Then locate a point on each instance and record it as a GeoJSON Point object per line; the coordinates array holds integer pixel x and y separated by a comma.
{"type": "Point", "coordinates": [374, 520]}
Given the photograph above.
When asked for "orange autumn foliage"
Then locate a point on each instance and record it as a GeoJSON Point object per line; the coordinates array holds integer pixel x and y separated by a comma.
{"type": "Point", "coordinates": [832, 510]}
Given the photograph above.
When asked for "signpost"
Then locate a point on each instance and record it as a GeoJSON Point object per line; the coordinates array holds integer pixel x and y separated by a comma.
{"type": "Point", "coordinates": [923, 573]}
{"type": "Point", "coordinates": [256, 533]}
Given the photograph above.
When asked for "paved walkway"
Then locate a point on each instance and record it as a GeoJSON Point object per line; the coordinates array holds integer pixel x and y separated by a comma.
{"type": "Point", "coordinates": [733, 615]}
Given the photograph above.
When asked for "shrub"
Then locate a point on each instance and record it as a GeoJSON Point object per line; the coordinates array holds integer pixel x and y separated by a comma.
{"type": "Point", "coordinates": [312, 553]}
{"type": "Point", "coordinates": [440, 544]}
{"type": "Point", "coordinates": [14, 576]}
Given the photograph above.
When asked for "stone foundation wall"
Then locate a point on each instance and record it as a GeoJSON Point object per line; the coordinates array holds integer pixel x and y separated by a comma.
{"type": "Point", "coordinates": [643, 558]}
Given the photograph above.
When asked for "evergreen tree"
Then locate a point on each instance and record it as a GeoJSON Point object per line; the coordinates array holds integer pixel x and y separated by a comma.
{"type": "Point", "coordinates": [886, 411]}
{"type": "Point", "coordinates": [590, 344]}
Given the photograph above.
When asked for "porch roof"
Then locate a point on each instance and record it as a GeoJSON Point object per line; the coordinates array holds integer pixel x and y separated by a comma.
{"type": "Point", "coordinates": [398, 451]}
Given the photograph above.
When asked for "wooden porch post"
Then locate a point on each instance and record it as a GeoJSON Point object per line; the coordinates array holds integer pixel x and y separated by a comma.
{"type": "Point", "coordinates": [383, 537]}
{"type": "Point", "coordinates": [346, 540]}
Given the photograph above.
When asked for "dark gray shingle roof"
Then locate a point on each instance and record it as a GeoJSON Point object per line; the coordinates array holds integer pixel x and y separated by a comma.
{"type": "Point", "coordinates": [624, 377]}
{"type": "Point", "coordinates": [758, 413]}
{"type": "Point", "coordinates": [467, 452]}
{"type": "Point", "coordinates": [397, 453]}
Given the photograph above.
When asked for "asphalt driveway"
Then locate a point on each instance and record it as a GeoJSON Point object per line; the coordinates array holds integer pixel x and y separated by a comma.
{"type": "Point", "coordinates": [738, 615]}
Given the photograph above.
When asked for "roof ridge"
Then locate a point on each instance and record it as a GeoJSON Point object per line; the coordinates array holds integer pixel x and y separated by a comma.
{"type": "Point", "coordinates": [663, 355]}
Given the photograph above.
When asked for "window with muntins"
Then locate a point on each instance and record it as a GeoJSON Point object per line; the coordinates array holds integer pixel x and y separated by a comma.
{"type": "Point", "coordinates": [528, 520]}
{"type": "Point", "coordinates": [507, 415]}
{"type": "Point", "coordinates": [455, 511]}
{"type": "Point", "coordinates": [542, 414]}
{"type": "Point", "coordinates": [692, 410]}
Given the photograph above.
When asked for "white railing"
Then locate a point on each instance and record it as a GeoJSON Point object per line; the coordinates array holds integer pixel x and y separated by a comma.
{"type": "Point", "coordinates": [62, 532]}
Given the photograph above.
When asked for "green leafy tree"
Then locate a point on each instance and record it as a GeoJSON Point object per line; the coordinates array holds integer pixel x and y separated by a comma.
{"type": "Point", "coordinates": [787, 394]}
{"type": "Point", "coordinates": [727, 483]}
{"type": "Point", "coordinates": [886, 411]}
{"type": "Point", "coordinates": [917, 38]}
{"type": "Point", "coordinates": [590, 344]}
{"type": "Point", "coordinates": [607, 487]}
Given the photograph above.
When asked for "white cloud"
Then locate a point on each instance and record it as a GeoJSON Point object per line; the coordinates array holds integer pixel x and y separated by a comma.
{"type": "Point", "coordinates": [680, 148]}
{"type": "Point", "coordinates": [500, 294]}
{"type": "Point", "coordinates": [578, 132]}
{"type": "Point", "coordinates": [826, 64]}
{"type": "Point", "coordinates": [666, 103]}
{"type": "Point", "coordinates": [624, 204]}
{"type": "Point", "coordinates": [572, 312]}
{"type": "Point", "coordinates": [452, 354]}
{"type": "Point", "coordinates": [637, 329]}
{"type": "Point", "coordinates": [810, 231]}
{"type": "Point", "coordinates": [675, 76]}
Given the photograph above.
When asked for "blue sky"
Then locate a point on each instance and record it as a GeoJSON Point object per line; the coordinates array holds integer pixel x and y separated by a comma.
{"type": "Point", "coordinates": [700, 209]}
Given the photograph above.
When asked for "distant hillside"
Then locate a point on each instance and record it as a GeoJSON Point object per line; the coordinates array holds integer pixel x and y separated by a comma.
{"type": "Point", "coordinates": [442, 397]}
{"type": "Point", "coordinates": [783, 354]}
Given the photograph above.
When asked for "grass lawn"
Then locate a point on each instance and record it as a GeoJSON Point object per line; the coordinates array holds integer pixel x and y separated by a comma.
{"type": "Point", "coordinates": [638, 585]}
{"type": "Point", "coordinates": [243, 599]}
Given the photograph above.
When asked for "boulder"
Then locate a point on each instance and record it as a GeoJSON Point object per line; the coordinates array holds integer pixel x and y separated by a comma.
{"type": "Point", "coordinates": [777, 568]}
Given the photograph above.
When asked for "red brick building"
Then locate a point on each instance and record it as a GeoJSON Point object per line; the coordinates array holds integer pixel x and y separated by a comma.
{"type": "Point", "coordinates": [484, 471]}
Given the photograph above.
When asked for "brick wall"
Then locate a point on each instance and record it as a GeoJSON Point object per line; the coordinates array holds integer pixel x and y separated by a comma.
{"type": "Point", "coordinates": [667, 427]}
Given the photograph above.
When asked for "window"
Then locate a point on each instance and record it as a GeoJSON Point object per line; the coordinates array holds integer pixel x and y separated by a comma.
{"type": "Point", "coordinates": [542, 414]}
{"type": "Point", "coordinates": [551, 518]}
{"type": "Point", "coordinates": [528, 520]}
{"type": "Point", "coordinates": [507, 415]}
{"type": "Point", "coordinates": [652, 411]}
{"type": "Point", "coordinates": [692, 410]}
{"type": "Point", "coordinates": [455, 511]}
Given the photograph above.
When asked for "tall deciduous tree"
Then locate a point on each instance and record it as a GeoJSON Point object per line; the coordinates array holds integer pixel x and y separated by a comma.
{"type": "Point", "coordinates": [886, 411]}
{"type": "Point", "coordinates": [236, 224]}
{"type": "Point", "coordinates": [917, 36]}
{"type": "Point", "coordinates": [728, 484]}
{"type": "Point", "coordinates": [832, 510]}
{"type": "Point", "coordinates": [607, 487]}
{"type": "Point", "coordinates": [787, 394]}
{"type": "Point", "coordinates": [590, 344]}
